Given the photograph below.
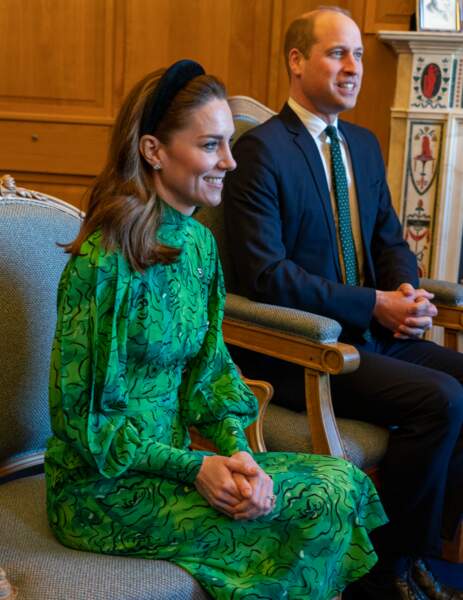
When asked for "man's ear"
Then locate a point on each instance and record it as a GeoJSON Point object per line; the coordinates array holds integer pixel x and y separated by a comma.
{"type": "Point", "coordinates": [149, 147]}
{"type": "Point", "coordinates": [295, 60]}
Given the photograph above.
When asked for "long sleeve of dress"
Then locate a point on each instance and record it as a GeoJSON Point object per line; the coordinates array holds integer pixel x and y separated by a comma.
{"type": "Point", "coordinates": [217, 400]}
{"type": "Point", "coordinates": [88, 381]}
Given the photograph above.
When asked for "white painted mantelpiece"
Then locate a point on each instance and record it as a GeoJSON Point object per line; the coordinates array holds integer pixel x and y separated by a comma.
{"type": "Point", "coordinates": [425, 167]}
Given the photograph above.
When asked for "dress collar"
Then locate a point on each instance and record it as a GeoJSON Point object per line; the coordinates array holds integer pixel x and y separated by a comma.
{"type": "Point", "coordinates": [171, 215]}
{"type": "Point", "coordinates": [174, 226]}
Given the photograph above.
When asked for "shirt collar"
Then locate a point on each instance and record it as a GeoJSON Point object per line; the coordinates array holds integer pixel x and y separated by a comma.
{"type": "Point", "coordinates": [313, 124]}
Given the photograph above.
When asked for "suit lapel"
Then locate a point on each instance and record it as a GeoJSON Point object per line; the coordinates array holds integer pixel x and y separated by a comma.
{"type": "Point", "coordinates": [308, 147]}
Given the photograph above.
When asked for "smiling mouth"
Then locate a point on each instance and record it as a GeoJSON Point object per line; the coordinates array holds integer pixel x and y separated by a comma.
{"type": "Point", "coordinates": [347, 85]}
{"type": "Point", "coordinates": [216, 181]}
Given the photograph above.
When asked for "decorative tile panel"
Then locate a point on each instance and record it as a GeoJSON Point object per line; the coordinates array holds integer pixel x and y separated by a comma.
{"type": "Point", "coordinates": [424, 147]}
{"type": "Point", "coordinates": [433, 82]}
{"type": "Point", "coordinates": [426, 144]}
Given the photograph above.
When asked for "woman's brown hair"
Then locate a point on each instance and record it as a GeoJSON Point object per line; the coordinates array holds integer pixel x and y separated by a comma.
{"type": "Point", "coordinates": [122, 202]}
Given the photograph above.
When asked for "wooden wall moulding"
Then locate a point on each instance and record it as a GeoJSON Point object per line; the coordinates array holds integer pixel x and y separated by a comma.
{"type": "Point", "coordinates": [61, 61]}
{"type": "Point", "coordinates": [52, 147]}
{"type": "Point", "coordinates": [231, 38]}
{"type": "Point", "coordinates": [388, 14]}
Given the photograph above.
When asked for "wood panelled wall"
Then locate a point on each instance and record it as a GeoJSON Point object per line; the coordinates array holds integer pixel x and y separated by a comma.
{"type": "Point", "coordinates": [66, 64]}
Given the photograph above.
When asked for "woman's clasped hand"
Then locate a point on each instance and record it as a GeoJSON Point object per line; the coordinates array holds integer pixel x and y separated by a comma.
{"type": "Point", "coordinates": [236, 486]}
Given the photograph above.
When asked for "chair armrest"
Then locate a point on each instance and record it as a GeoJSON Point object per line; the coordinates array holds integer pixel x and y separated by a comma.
{"type": "Point", "coordinates": [301, 338]}
{"type": "Point", "coordinates": [445, 293]}
{"type": "Point", "coordinates": [263, 391]}
{"type": "Point", "coordinates": [293, 335]}
{"type": "Point", "coordinates": [288, 320]}
{"type": "Point", "coordinates": [448, 298]}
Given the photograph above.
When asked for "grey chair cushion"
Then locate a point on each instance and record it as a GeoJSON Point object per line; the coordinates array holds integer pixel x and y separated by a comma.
{"type": "Point", "coordinates": [286, 430]}
{"type": "Point", "coordinates": [42, 569]}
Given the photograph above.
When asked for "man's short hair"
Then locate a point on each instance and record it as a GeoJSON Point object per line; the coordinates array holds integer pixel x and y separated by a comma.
{"type": "Point", "coordinates": [300, 34]}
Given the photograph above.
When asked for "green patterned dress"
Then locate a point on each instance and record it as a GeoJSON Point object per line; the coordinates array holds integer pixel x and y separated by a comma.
{"type": "Point", "coordinates": [137, 359]}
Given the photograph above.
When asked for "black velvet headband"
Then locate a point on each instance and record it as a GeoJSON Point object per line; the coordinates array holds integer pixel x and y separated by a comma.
{"type": "Point", "coordinates": [174, 79]}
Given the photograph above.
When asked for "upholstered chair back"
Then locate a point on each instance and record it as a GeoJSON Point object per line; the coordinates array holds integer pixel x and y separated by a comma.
{"type": "Point", "coordinates": [247, 113]}
{"type": "Point", "coordinates": [30, 267]}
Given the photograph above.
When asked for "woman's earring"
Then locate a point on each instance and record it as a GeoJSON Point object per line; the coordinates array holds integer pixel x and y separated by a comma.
{"type": "Point", "coordinates": [157, 167]}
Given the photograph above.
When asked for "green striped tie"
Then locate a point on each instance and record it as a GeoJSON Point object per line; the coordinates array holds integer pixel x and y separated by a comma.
{"type": "Point", "coordinates": [341, 193]}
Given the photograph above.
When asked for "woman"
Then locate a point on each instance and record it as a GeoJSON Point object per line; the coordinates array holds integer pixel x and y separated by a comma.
{"type": "Point", "coordinates": [138, 357]}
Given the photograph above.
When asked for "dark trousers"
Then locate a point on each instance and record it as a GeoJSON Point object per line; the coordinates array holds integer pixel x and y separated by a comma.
{"type": "Point", "coordinates": [415, 388]}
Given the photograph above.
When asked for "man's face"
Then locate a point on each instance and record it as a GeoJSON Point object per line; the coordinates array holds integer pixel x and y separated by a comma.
{"type": "Point", "coordinates": [328, 81]}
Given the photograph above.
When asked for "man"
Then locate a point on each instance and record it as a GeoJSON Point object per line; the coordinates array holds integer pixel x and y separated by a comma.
{"type": "Point", "coordinates": [311, 226]}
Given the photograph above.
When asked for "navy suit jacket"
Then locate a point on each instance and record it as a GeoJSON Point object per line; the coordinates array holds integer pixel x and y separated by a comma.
{"type": "Point", "coordinates": [281, 229]}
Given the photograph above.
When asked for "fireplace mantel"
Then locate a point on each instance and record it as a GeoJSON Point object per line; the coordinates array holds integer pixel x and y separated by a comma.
{"type": "Point", "coordinates": [406, 42]}
{"type": "Point", "coordinates": [425, 166]}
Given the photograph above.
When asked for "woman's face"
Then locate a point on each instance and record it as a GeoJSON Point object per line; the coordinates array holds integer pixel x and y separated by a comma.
{"type": "Point", "coordinates": [195, 160]}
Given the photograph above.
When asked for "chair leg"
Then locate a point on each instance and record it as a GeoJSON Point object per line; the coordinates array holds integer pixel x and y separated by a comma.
{"type": "Point", "coordinates": [452, 550]}
{"type": "Point", "coordinates": [451, 339]}
{"type": "Point", "coordinates": [322, 423]}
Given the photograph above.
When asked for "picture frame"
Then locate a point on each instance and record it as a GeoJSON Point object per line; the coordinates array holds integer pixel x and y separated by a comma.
{"type": "Point", "coordinates": [438, 15]}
